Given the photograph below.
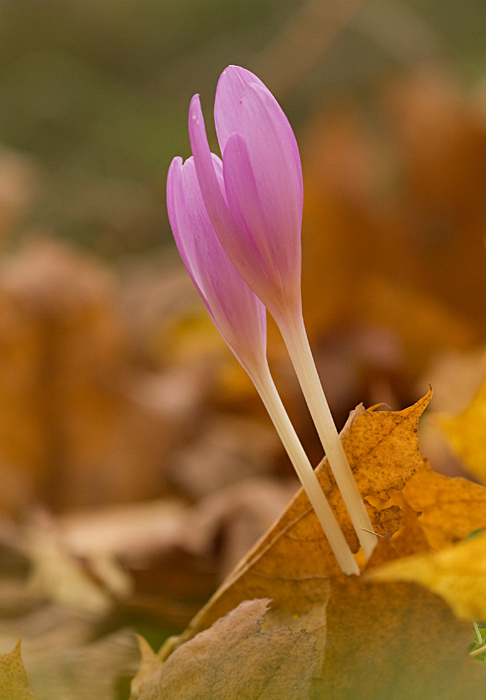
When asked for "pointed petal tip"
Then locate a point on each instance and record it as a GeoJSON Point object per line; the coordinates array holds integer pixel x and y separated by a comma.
{"type": "Point", "coordinates": [243, 73]}
{"type": "Point", "coordinates": [237, 78]}
{"type": "Point", "coordinates": [173, 178]}
{"type": "Point", "coordinates": [195, 104]}
{"type": "Point", "coordinates": [174, 169]}
{"type": "Point", "coordinates": [177, 160]}
{"type": "Point", "coordinates": [196, 118]}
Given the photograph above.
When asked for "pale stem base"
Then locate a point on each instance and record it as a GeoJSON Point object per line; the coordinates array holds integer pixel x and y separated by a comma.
{"type": "Point", "coordinates": [295, 337]}
{"type": "Point", "coordinates": [273, 404]}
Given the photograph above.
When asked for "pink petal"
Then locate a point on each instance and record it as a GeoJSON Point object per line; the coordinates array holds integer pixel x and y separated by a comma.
{"type": "Point", "coordinates": [235, 310]}
{"type": "Point", "coordinates": [213, 196]}
{"type": "Point", "coordinates": [232, 85]}
{"type": "Point", "coordinates": [274, 253]}
{"type": "Point", "coordinates": [263, 242]}
{"type": "Point", "coordinates": [231, 116]}
{"type": "Point", "coordinates": [278, 181]}
{"type": "Point", "coordinates": [176, 209]}
{"type": "Point", "coordinates": [208, 168]}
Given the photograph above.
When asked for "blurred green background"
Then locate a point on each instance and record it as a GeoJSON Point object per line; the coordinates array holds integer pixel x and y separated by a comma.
{"type": "Point", "coordinates": [94, 94]}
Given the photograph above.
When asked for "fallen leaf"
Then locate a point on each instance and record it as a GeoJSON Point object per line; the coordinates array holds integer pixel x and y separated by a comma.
{"type": "Point", "coordinates": [369, 634]}
{"type": "Point", "coordinates": [423, 323]}
{"type": "Point", "coordinates": [228, 451]}
{"type": "Point", "coordinates": [65, 655]}
{"type": "Point", "coordinates": [233, 519]}
{"type": "Point", "coordinates": [92, 670]}
{"type": "Point", "coordinates": [466, 434]}
{"type": "Point", "coordinates": [76, 428]}
{"type": "Point", "coordinates": [395, 640]}
{"type": "Point", "coordinates": [150, 663]}
{"type": "Point", "coordinates": [59, 577]}
{"type": "Point", "coordinates": [449, 508]}
{"type": "Point", "coordinates": [236, 659]}
{"type": "Point", "coordinates": [362, 644]}
{"type": "Point", "coordinates": [410, 538]}
{"type": "Point", "coordinates": [457, 573]}
{"type": "Point", "coordinates": [293, 563]}
{"type": "Point", "coordinates": [14, 684]}
{"type": "Point", "coordinates": [455, 377]}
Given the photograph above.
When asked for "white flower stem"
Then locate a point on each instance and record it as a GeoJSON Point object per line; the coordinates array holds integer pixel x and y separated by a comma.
{"type": "Point", "coordinates": [295, 337]}
{"type": "Point", "coordinates": [270, 397]}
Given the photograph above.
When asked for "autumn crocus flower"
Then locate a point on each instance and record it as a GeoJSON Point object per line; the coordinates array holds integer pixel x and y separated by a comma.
{"type": "Point", "coordinates": [257, 212]}
{"type": "Point", "coordinates": [255, 209]}
{"type": "Point", "coordinates": [240, 317]}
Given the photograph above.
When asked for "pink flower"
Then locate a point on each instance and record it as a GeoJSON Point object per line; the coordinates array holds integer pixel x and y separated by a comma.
{"type": "Point", "coordinates": [237, 224]}
{"type": "Point", "coordinates": [256, 207]}
{"type": "Point", "coordinates": [235, 310]}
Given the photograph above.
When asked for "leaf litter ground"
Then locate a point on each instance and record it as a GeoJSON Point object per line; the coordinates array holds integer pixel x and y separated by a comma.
{"type": "Point", "coordinates": [362, 638]}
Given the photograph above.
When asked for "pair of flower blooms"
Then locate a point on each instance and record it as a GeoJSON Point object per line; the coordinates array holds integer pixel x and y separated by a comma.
{"type": "Point", "coordinates": [237, 224]}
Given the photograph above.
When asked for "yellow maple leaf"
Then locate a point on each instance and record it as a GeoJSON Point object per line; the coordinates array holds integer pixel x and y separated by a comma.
{"type": "Point", "coordinates": [466, 434]}
{"type": "Point", "coordinates": [457, 573]}
{"type": "Point", "coordinates": [14, 684]}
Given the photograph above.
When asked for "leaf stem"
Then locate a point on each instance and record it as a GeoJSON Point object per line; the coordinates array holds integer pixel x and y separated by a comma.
{"type": "Point", "coordinates": [479, 636]}
{"type": "Point", "coordinates": [295, 338]}
{"type": "Point", "coordinates": [477, 652]}
{"type": "Point", "coordinates": [273, 403]}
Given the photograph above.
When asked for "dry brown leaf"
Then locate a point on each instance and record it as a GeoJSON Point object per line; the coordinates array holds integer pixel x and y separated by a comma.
{"type": "Point", "coordinates": [450, 508]}
{"type": "Point", "coordinates": [423, 324]}
{"type": "Point", "coordinates": [60, 578]}
{"type": "Point", "coordinates": [236, 660]}
{"type": "Point", "coordinates": [394, 216]}
{"type": "Point", "coordinates": [92, 670]}
{"type": "Point", "coordinates": [368, 634]}
{"type": "Point", "coordinates": [443, 142]}
{"type": "Point", "coordinates": [229, 450]}
{"type": "Point", "coordinates": [362, 644]}
{"type": "Point", "coordinates": [64, 655]}
{"type": "Point", "coordinates": [233, 519]}
{"type": "Point", "coordinates": [150, 664]}
{"type": "Point", "coordinates": [410, 538]}
{"type": "Point", "coordinates": [76, 426]}
{"type": "Point", "coordinates": [292, 564]}
{"type": "Point", "coordinates": [395, 640]}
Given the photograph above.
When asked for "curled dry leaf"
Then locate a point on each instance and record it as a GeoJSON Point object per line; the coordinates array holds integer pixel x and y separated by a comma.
{"type": "Point", "coordinates": [408, 539]}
